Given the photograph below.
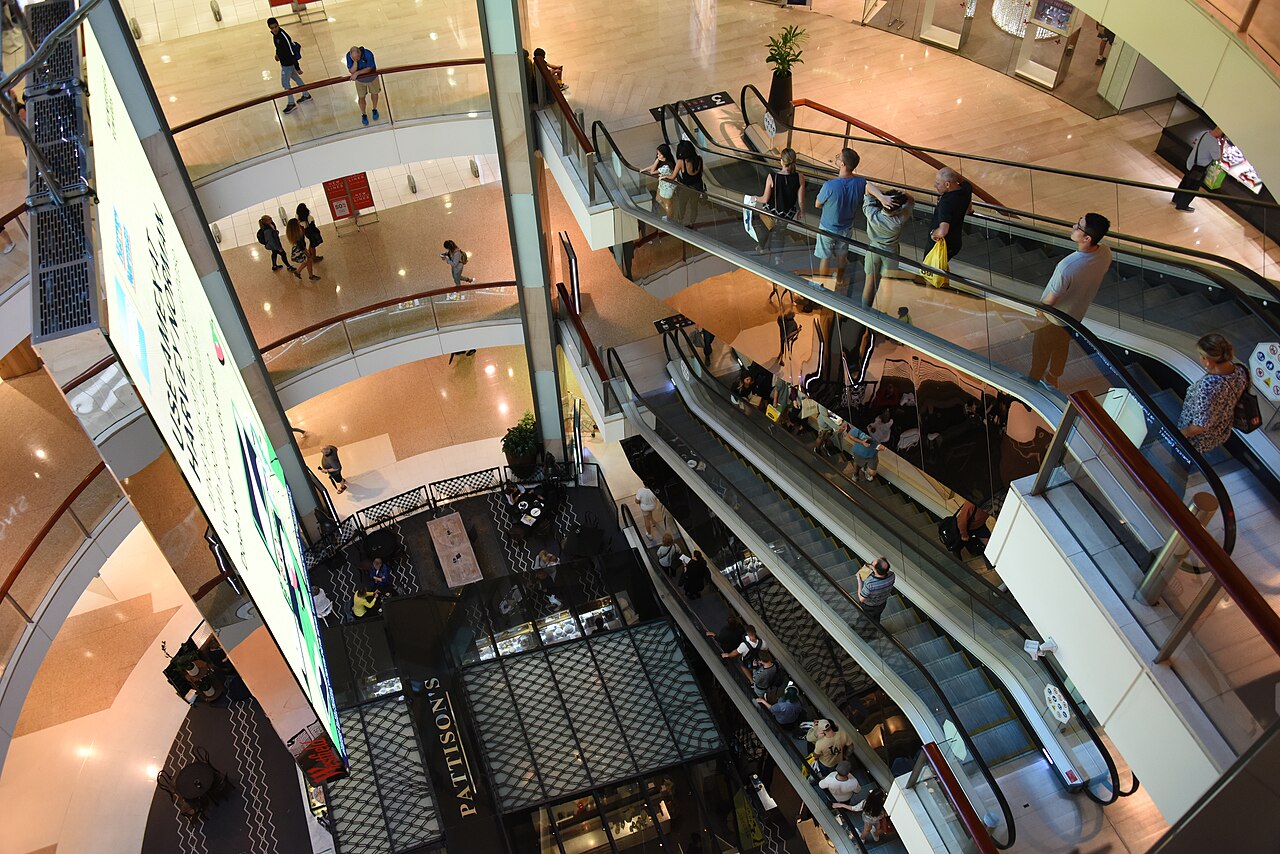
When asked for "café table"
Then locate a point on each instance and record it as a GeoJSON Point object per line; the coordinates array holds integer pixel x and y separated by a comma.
{"type": "Point", "coordinates": [530, 509]}
{"type": "Point", "coordinates": [382, 543]}
{"type": "Point", "coordinates": [453, 549]}
{"type": "Point", "coordinates": [196, 782]}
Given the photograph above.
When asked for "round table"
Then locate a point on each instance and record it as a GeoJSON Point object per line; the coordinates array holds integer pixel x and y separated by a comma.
{"type": "Point", "coordinates": [196, 781]}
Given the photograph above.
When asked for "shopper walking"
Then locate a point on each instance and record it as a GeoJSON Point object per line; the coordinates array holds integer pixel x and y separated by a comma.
{"type": "Point", "coordinates": [664, 166]}
{"type": "Point", "coordinates": [839, 200]}
{"type": "Point", "coordinates": [1209, 407]}
{"type": "Point", "coordinates": [296, 234]}
{"type": "Point", "coordinates": [364, 73]}
{"type": "Point", "coordinates": [766, 675]}
{"type": "Point", "coordinates": [1206, 149]}
{"type": "Point", "coordinates": [332, 466]}
{"type": "Point", "coordinates": [289, 55]}
{"type": "Point", "coordinates": [830, 745]}
{"type": "Point", "coordinates": [875, 819]}
{"type": "Point", "coordinates": [781, 199]}
{"type": "Point", "coordinates": [747, 650]}
{"type": "Point", "coordinates": [955, 196]}
{"type": "Point", "coordinates": [730, 635]}
{"type": "Point", "coordinates": [269, 237]}
{"type": "Point", "coordinates": [648, 503]}
{"type": "Point", "coordinates": [312, 228]}
{"type": "Point", "coordinates": [457, 260]}
{"type": "Point", "coordinates": [875, 587]}
{"type": "Point", "coordinates": [1071, 289]}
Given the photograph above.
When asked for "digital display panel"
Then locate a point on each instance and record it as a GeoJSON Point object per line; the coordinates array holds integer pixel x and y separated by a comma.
{"type": "Point", "coordinates": [164, 331]}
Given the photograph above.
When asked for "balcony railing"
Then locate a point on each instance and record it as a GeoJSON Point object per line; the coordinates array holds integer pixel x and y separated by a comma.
{"type": "Point", "coordinates": [259, 127]}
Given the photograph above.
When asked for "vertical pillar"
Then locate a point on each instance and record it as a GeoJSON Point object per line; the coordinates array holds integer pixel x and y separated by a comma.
{"type": "Point", "coordinates": [502, 25]}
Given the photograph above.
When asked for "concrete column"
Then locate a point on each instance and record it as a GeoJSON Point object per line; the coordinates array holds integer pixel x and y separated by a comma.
{"type": "Point", "coordinates": [502, 27]}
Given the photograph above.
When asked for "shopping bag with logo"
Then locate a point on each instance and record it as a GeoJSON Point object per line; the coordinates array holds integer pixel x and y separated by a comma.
{"type": "Point", "coordinates": [773, 412]}
{"type": "Point", "coordinates": [747, 217]}
{"type": "Point", "coordinates": [1214, 175]}
{"type": "Point", "coordinates": [937, 258]}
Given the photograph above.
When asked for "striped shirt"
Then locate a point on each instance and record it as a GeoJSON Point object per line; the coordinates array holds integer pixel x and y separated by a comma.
{"type": "Point", "coordinates": [875, 590]}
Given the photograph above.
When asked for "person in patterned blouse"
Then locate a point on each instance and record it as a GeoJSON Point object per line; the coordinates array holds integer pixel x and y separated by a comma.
{"type": "Point", "coordinates": [1210, 403]}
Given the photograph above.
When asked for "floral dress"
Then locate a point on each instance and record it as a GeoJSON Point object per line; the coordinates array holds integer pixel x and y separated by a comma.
{"type": "Point", "coordinates": [1211, 403]}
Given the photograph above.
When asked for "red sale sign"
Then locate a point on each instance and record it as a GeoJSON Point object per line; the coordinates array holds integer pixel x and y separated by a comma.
{"type": "Point", "coordinates": [348, 195]}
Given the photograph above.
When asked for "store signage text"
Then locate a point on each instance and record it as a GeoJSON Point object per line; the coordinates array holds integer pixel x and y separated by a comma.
{"type": "Point", "coordinates": [455, 756]}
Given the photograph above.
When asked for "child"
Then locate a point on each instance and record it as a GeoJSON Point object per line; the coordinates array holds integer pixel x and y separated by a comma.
{"type": "Point", "coordinates": [904, 315]}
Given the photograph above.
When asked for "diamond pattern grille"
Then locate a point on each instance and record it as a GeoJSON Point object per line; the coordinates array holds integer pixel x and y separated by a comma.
{"type": "Point", "coordinates": [467, 484]}
{"type": "Point", "coordinates": [531, 736]}
{"type": "Point", "coordinates": [386, 804]}
{"type": "Point", "coordinates": [395, 507]}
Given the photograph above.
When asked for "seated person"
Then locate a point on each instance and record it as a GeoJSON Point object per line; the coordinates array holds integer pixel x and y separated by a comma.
{"type": "Point", "coordinates": [511, 492]}
{"type": "Point", "coordinates": [380, 577]}
{"type": "Point", "coordinates": [548, 561]}
{"type": "Point", "coordinates": [365, 602]}
{"type": "Point", "coordinates": [557, 71]}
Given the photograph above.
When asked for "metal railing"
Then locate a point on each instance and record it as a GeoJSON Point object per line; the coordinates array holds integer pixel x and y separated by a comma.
{"type": "Point", "coordinates": [574, 142]}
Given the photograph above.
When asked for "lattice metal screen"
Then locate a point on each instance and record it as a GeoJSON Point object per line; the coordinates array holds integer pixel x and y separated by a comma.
{"type": "Point", "coordinates": [386, 804]}
{"type": "Point", "coordinates": [588, 714]}
{"type": "Point", "coordinates": [467, 484]}
{"type": "Point", "coordinates": [66, 301]}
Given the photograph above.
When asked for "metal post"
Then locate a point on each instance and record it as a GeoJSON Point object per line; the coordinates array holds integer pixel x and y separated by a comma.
{"type": "Point", "coordinates": [917, 770]}
{"type": "Point", "coordinates": [1174, 551]}
{"type": "Point", "coordinates": [1056, 451]}
{"type": "Point", "coordinates": [1203, 601]}
{"type": "Point", "coordinates": [589, 170]}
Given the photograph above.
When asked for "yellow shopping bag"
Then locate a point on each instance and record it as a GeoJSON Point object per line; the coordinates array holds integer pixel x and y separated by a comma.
{"type": "Point", "coordinates": [936, 258]}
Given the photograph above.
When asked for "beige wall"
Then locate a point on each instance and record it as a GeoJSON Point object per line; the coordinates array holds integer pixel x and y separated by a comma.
{"type": "Point", "coordinates": [1210, 64]}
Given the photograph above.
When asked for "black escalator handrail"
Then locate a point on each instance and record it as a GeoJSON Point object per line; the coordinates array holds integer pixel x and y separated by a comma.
{"type": "Point", "coordinates": [701, 371]}
{"type": "Point", "coordinates": [1052, 170]}
{"type": "Point", "coordinates": [1074, 328]}
{"type": "Point", "coordinates": [619, 371]}
{"type": "Point", "coordinates": [1248, 300]}
{"type": "Point", "coordinates": [785, 738]}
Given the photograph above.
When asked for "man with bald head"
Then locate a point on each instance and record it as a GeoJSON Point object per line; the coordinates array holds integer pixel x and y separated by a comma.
{"type": "Point", "coordinates": [955, 194]}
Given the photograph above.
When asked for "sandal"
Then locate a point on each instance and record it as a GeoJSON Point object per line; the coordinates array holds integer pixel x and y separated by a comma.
{"type": "Point", "coordinates": [314, 278]}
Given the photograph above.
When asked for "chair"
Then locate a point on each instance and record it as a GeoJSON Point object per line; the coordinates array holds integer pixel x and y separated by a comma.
{"type": "Point", "coordinates": [186, 809]}
{"type": "Point", "coordinates": [221, 783]}
{"type": "Point", "coordinates": [324, 607]}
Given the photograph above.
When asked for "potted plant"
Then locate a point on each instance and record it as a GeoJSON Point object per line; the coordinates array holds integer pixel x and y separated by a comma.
{"type": "Point", "coordinates": [784, 53]}
{"type": "Point", "coordinates": [520, 444]}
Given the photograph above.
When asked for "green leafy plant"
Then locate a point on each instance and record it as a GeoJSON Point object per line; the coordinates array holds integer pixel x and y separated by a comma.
{"type": "Point", "coordinates": [521, 439]}
{"type": "Point", "coordinates": [784, 49]}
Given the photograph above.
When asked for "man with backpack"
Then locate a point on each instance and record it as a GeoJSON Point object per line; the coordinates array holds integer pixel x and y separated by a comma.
{"type": "Point", "coordinates": [289, 55]}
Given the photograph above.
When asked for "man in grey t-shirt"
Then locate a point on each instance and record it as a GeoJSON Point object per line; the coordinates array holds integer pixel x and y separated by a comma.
{"type": "Point", "coordinates": [1071, 289]}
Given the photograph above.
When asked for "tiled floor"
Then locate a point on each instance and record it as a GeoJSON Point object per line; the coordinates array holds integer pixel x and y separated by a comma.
{"type": "Point", "coordinates": [390, 188]}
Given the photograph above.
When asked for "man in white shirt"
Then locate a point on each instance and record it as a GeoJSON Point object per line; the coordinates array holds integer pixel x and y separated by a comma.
{"type": "Point", "coordinates": [1206, 149]}
{"type": "Point", "coordinates": [1071, 289]}
{"type": "Point", "coordinates": [842, 785]}
{"type": "Point", "coordinates": [648, 503]}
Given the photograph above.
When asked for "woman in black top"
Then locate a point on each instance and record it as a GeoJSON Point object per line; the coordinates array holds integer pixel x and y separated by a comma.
{"type": "Point", "coordinates": [783, 198]}
{"type": "Point", "coordinates": [689, 176]}
{"type": "Point", "coordinates": [314, 238]}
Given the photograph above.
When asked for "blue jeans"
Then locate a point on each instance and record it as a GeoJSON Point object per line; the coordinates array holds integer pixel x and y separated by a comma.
{"type": "Point", "coordinates": [288, 73]}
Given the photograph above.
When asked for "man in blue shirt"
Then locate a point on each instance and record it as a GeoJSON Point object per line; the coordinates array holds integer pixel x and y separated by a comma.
{"type": "Point", "coordinates": [364, 72]}
{"type": "Point", "coordinates": [839, 200]}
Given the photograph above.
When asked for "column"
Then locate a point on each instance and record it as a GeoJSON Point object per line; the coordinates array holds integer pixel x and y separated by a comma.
{"type": "Point", "coordinates": [502, 27]}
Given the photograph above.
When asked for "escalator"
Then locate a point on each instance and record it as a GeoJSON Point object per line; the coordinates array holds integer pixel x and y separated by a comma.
{"type": "Point", "coordinates": [949, 697]}
{"type": "Point", "coordinates": [974, 327]}
{"type": "Point", "coordinates": [1157, 298]}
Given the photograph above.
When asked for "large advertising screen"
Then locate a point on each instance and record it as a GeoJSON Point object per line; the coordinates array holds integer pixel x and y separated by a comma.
{"type": "Point", "coordinates": [163, 329]}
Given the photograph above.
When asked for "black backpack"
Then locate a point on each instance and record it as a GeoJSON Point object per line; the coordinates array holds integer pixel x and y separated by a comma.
{"type": "Point", "coordinates": [1248, 416]}
{"type": "Point", "coordinates": [949, 532]}
{"type": "Point", "coordinates": [753, 653]}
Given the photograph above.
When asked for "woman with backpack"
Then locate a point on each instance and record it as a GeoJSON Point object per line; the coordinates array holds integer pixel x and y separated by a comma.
{"type": "Point", "coordinates": [1208, 410]}
{"type": "Point", "coordinates": [269, 237]}
{"type": "Point", "coordinates": [456, 259]}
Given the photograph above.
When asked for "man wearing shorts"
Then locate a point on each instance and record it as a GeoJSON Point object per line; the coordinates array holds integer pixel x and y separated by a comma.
{"type": "Point", "coordinates": [839, 200]}
{"type": "Point", "coordinates": [364, 72]}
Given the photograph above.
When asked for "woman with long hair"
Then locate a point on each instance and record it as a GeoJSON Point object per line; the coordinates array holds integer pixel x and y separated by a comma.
{"type": "Point", "coordinates": [314, 238]}
{"type": "Point", "coordinates": [689, 175]}
{"type": "Point", "coordinates": [296, 234]}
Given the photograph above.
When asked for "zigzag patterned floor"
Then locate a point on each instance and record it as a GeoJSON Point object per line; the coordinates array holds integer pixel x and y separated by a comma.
{"type": "Point", "coordinates": [263, 811]}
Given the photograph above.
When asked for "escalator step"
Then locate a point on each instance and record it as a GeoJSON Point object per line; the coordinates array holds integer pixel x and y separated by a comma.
{"type": "Point", "coordinates": [983, 712]}
{"type": "Point", "coordinates": [917, 635]}
{"type": "Point", "coordinates": [932, 650]}
{"type": "Point", "coordinates": [968, 685]}
{"type": "Point", "coordinates": [1003, 743]}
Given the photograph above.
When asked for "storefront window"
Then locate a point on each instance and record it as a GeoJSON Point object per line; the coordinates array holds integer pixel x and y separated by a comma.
{"type": "Point", "coordinates": [578, 823]}
{"type": "Point", "coordinates": [634, 827]}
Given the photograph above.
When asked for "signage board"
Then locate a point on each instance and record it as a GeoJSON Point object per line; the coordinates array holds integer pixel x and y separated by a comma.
{"type": "Point", "coordinates": [349, 195]}
{"type": "Point", "coordinates": [1264, 370]}
{"type": "Point", "coordinates": [1053, 15]}
{"type": "Point", "coordinates": [698, 104]}
{"type": "Point", "coordinates": [166, 335]}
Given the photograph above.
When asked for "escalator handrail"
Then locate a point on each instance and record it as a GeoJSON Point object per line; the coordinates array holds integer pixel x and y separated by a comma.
{"type": "Point", "coordinates": [703, 375]}
{"type": "Point", "coordinates": [1075, 328]}
{"type": "Point", "coordinates": [1248, 300]}
{"type": "Point", "coordinates": [619, 371]}
{"type": "Point", "coordinates": [885, 140]}
{"type": "Point", "coordinates": [785, 738]}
